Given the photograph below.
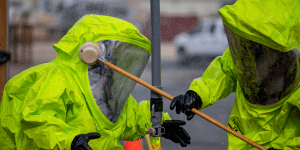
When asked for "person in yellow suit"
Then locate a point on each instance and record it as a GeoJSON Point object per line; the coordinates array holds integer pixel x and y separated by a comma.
{"type": "Point", "coordinates": [262, 66]}
{"type": "Point", "coordinates": [67, 104]}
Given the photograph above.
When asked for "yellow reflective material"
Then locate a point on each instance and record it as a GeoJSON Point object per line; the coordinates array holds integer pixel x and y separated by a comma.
{"type": "Point", "coordinates": [157, 146]}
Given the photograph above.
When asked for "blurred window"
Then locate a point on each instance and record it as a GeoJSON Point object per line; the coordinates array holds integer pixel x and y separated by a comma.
{"type": "Point", "coordinates": [212, 28]}
{"type": "Point", "coordinates": [94, 8]}
{"type": "Point", "coordinates": [197, 29]}
{"type": "Point", "coordinates": [119, 12]}
{"type": "Point", "coordinates": [48, 6]}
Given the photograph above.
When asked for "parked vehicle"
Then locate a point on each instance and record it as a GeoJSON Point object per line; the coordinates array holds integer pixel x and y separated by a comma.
{"type": "Point", "coordinates": [206, 41]}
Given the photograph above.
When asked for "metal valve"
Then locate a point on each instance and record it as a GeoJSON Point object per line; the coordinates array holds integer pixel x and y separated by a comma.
{"type": "Point", "coordinates": [89, 52]}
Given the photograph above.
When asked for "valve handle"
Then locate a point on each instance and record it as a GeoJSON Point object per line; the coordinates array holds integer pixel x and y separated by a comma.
{"type": "Point", "coordinates": [89, 52]}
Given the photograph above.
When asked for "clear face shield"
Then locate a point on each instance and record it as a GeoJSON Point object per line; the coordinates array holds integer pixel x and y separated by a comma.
{"type": "Point", "coordinates": [265, 75]}
{"type": "Point", "coordinates": [110, 88]}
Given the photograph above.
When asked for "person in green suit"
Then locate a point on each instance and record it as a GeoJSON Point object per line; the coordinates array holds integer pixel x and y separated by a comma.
{"type": "Point", "coordinates": [67, 104]}
{"type": "Point", "coordinates": [262, 67]}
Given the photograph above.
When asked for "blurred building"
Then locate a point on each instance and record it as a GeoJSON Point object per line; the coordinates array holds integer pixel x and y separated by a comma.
{"type": "Point", "coordinates": [53, 18]}
{"type": "Point", "coordinates": [42, 15]}
{"type": "Point", "coordinates": [71, 13]}
{"type": "Point", "coordinates": [185, 7]}
{"type": "Point", "coordinates": [178, 16]}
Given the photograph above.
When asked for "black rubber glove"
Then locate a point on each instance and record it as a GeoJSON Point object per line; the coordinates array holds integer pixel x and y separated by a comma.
{"type": "Point", "coordinates": [185, 103]}
{"type": "Point", "coordinates": [80, 142]}
{"type": "Point", "coordinates": [176, 133]}
{"type": "Point", "coordinates": [272, 148]}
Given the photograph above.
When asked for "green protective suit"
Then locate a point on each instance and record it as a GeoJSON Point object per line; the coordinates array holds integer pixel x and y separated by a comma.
{"type": "Point", "coordinates": [275, 24]}
{"type": "Point", "coordinates": [46, 106]}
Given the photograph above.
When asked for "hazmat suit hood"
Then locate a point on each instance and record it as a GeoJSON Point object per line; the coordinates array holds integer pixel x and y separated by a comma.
{"type": "Point", "coordinates": [263, 42]}
{"type": "Point", "coordinates": [121, 44]}
{"type": "Point", "coordinates": [95, 28]}
{"type": "Point", "coordinates": [273, 23]}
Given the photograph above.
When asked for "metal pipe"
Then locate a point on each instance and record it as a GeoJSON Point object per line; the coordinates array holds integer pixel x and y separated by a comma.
{"type": "Point", "coordinates": [156, 99]}
{"type": "Point", "coordinates": [151, 131]}
{"type": "Point", "coordinates": [155, 46]}
{"type": "Point", "coordinates": [147, 137]}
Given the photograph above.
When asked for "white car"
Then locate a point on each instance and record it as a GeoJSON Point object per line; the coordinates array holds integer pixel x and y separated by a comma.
{"type": "Point", "coordinates": [207, 41]}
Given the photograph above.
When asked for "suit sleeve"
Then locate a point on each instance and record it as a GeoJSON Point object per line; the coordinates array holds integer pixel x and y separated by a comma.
{"type": "Point", "coordinates": [44, 120]}
{"type": "Point", "coordinates": [138, 119]}
{"type": "Point", "coordinates": [218, 80]}
{"type": "Point", "coordinates": [34, 110]}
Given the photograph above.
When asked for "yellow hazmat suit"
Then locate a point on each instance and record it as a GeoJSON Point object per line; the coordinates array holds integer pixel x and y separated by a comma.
{"type": "Point", "coordinates": [46, 106]}
{"type": "Point", "coordinates": [274, 24]}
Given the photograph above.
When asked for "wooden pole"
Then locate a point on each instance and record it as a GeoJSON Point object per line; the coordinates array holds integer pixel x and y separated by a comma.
{"type": "Point", "coordinates": [3, 43]}
{"type": "Point", "coordinates": [170, 97]}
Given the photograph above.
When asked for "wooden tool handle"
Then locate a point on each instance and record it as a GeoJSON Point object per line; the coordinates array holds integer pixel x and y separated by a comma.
{"type": "Point", "coordinates": [170, 97]}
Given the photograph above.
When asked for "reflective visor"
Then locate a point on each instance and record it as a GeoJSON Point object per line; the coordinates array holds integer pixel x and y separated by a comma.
{"type": "Point", "coordinates": [110, 88]}
{"type": "Point", "coordinates": [265, 75]}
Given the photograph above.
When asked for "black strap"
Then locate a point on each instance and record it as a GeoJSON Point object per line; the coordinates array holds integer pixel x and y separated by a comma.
{"type": "Point", "coordinates": [4, 57]}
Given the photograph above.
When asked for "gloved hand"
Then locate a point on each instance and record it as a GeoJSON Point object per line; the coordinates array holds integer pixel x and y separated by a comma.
{"type": "Point", "coordinates": [80, 142]}
{"type": "Point", "coordinates": [185, 103]}
{"type": "Point", "coordinates": [175, 132]}
{"type": "Point", "coordinates": [271, 148]}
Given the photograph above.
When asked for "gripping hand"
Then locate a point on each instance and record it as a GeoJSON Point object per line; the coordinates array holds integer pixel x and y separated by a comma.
{"type": "Point", "coordinates": [80, 142]}
{"type": "Point", "coordinates": [272, 148]}
{"type": "Point", "coordinates": [176, 133]}
{"type": "Point", "coordinates": [185, 103]}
